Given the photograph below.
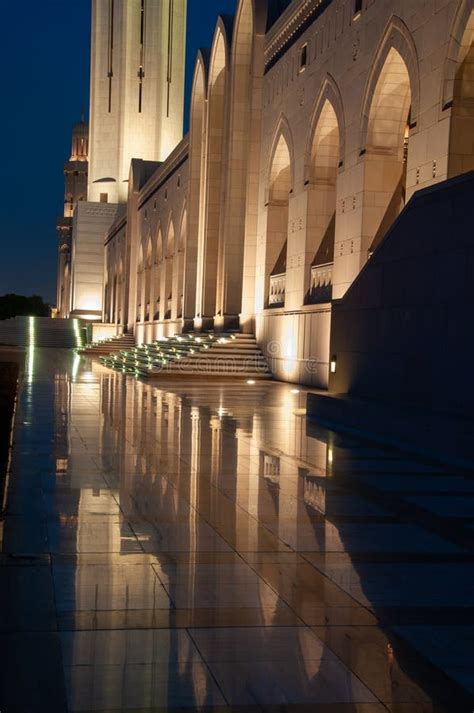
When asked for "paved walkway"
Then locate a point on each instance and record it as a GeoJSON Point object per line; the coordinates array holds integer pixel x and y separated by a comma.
{"type": "Point", "coordinates": [203, 548]}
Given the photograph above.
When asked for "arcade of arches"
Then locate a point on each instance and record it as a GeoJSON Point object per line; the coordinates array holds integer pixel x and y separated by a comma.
{"type": "Point", "coordinates": [303, 149]}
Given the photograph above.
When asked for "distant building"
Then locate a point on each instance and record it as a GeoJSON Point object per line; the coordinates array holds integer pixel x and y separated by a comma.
{"type": "Point", "coordinates": [313, 122]}
{"type": "Point", "coordinates": [75, 190]}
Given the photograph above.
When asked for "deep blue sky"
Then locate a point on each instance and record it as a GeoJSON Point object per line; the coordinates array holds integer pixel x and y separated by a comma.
{"type": "Point", "coordinates": [45, 58]}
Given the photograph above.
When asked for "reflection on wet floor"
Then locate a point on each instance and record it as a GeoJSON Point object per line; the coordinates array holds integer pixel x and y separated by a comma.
{"type": "Point", "coordinates": [199, 546]}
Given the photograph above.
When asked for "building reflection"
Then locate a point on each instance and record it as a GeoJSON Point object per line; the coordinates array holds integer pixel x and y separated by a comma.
{"type": "Point", "coordinates": [181, 467]}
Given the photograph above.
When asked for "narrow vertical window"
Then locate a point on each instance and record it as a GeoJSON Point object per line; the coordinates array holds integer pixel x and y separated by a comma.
{"type": "Point", "coordinates": [304, 58]}
{"type": "Point", "coordinates": [141, 72]}
{"type": "Point", "coordinates": [110, 72]}
{"type": "Point", "coordinates": [357, 6]}
{"type": "Point", "coordinates": [169, 74]}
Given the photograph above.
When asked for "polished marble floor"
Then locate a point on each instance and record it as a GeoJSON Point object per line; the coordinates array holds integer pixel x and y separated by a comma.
{"type": "Point", "coordinates": [200, 547]}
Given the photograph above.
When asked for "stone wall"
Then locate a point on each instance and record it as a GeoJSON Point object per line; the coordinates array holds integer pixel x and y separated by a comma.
{"type": "Point", "coordinates": [402, 333]}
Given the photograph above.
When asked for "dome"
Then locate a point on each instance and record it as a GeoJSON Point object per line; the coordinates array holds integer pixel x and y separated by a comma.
{"type": "Point", "coordinates": [81, 129]}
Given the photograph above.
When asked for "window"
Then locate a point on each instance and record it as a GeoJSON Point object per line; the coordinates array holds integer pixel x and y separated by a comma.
{"type": "Point", "coordinates": [357, 6]}
{"type": "Point", "coordinates": [104, 197]}
{"type": "Point", "coordinates": [304, 57]}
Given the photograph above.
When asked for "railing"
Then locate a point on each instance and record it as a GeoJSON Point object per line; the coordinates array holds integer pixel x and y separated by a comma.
{"type": "Point", "coordinates": [271, 468]}
{"type": "Point", "coordinates": [276, 297]}
{"type": "Point", "coordinates": [321, 284]}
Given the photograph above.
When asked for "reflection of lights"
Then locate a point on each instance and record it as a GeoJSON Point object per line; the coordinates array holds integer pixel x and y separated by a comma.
{"type": "Point", "coordinates": [221, 412]}
{"type": "Point", "coordinates": [77, 332]}
{"type": "Point", "coordinates": [333, 364]}
{"type": "Point", "coordinates": [31, 363]}
{"type": "Point", "coordinates": [31, 349]}
{"type": "Point", "coordinates": [75, 366]}
{"type": "Point", "coordinates": [330, 456]}
{"type": "Point", "coordinates": [251, 382]}
{"type": "Point", "coordinates": [88, 377]}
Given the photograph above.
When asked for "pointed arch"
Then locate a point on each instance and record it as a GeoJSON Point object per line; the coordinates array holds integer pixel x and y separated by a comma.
{"type": "Point", "coordinates": [157, 274]}
{"type": "Point", "coordinates": [168, 269]}
{"type": "Point", "coordinates": [389, 118]}
{"type": "Point", "coordinates": [147, 278]}
{"type": "Point", "coordinates": [279, 186]}
{"type": "Point", "coordinates": [396, 44]}
{"type": "Point", "coordinates": [208, 257]}
{"type": "Point", "coordinates": [457, 50]}
{"type": "Point", "coordinates": [229, 299]}
{"type": "Point", "coordinates": [180, 262]}
{"type": "Point", "coordinates": [170, 234]}
{"type": "Point", "coordinates": [280, 169]}
{"type": "Point", "coordinates": [324, 158]}
{"type": "Point", "coordinates": [328, 102]}
{"type": "Point", "coordinates": [458, 90]}
{"type": "Point", "coordinates": [196, 173]}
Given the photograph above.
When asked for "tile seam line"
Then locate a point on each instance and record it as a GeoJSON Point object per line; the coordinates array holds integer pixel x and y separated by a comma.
{"type": "Point", "coordinates": [208, 668]}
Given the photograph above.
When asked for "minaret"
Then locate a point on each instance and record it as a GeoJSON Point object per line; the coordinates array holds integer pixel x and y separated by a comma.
{"type": "Point", "coordinates": [75, 190]}
{"type": "Point", "coordinates": [137, 89]}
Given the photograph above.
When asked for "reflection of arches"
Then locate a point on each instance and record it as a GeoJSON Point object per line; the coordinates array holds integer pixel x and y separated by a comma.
{"type": "Point", "coordinates": [324, 155]}
{"type": "Point", "coordinates": [209, 250]}
{"type": "Point", "coordinates": [231, 267]}
{"type": "Point", "coordinates": [458, 90]}
{"type": "Point", "coordinates": [390, 112]}
{"type": "Point", "coordinates": [279, 186]}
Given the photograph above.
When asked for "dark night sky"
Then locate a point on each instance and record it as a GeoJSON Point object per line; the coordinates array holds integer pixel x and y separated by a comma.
{"type": "Point", "coordinates": [45, 58]}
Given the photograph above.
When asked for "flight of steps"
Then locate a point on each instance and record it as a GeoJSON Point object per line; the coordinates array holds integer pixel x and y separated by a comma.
{"type": "Point", "coordinates": [195, 356]}
{"type": "Point", "coordinates": [42, 332]}
{"type": "Point", "coordinates": [116, 345]}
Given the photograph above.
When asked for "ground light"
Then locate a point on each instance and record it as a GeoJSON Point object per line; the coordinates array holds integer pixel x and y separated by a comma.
{"type": "Point", "coordinates": [251, 382]}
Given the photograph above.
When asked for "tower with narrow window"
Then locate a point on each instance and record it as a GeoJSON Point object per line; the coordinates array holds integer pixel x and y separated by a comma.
{"type": "Point", "coordinates": [137, 89]}
{"type": "Point", "coordinates": [75, 190]}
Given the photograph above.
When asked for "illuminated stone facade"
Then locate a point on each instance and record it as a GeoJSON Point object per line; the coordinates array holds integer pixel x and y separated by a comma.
{"type": "Point", "coordinates": [136, 112]}
{"type": "Point", "coordinates": [312, 123]}
{"type": "Point", "coordinates": [75, 190]}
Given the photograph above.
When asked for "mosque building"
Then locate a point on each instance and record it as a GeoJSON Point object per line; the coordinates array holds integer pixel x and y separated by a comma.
{"type": "Point", "coordinates": [313, 123]}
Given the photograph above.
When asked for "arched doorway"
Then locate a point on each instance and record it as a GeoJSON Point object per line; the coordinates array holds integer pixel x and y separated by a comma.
{"type": "Point", "coordinates": [147, 289]}
{"type": "Point", "coordinates": [157, 275]}
{"type": "Point", "coordinates": [179, 265]}
{"type": "Point", "coordinates": [322, 169]}
{"type": "Point", "coordinates": [209, 252]}
{"type": "Point", "coordinates": [229, 301]}
{"type": "Point", "coordinates": [461, 137]}
{"type": "Point", "coordinates": [140, 285]}
{"type": "Point", "coordinates": [168, 282]}
{"type": "Point", "coordinates": [195, 196]}
{"type": "Point", "coordinates": [386, 152]}
{"type": "Point", "coordinates": [279, 187]}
